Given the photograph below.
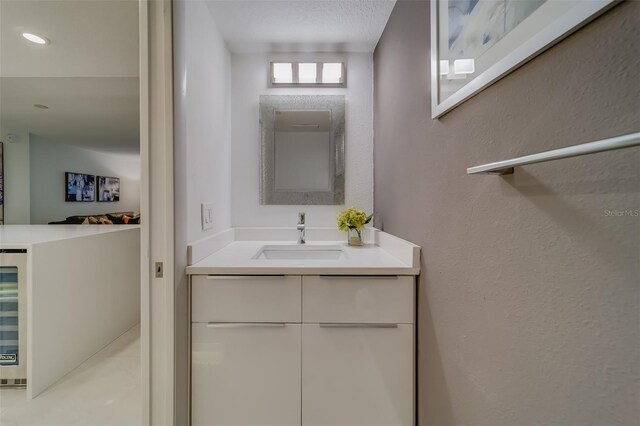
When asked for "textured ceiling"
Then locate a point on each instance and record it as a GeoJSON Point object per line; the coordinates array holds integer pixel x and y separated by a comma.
{"type": "Point", "coordinates": [301, 25]}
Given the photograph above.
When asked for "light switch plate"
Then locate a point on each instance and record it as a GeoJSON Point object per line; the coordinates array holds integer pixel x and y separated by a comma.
{"type": "Point", "coordinates": [207, 216]}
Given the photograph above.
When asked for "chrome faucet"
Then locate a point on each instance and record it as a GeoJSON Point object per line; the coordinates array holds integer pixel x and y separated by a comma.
{"type": "Point", "coordinates": [300, 227]}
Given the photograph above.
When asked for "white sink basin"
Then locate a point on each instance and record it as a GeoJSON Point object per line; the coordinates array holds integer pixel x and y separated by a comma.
{"type": "Point", "coordinates": [303, 252]}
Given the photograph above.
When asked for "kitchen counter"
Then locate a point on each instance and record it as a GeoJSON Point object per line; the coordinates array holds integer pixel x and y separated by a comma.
{"type": "Point", "coordinates": [82, 286]}
{"type": "Point", "coordinates": [24, 236]}
{"type": "Point", "coordinates": [384, 255]}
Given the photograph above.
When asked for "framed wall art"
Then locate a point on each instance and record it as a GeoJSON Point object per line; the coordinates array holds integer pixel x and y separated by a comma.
{"type": "Point", "coordinates": [108, 189]}
{"type": "Point", "coordinates": [79, 187]}
{"type": "Point", "coordinates": [474, 43]}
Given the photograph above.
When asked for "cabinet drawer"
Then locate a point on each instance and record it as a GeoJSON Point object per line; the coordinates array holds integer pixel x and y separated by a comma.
{"type": "Point", "coordinates": [358, 299]}
{"type": "Point", "coordinates": [245, 298]}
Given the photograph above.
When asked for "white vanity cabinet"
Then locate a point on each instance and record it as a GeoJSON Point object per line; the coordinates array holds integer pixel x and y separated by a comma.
{"type": "Point", "coordinates": [245, 350]}
{"type": "Point", "coordinates": [302, 350]}
{"type": "Point", "coordinates": [357, 350]}
{"type": "Point", "coordinates": [357, 374]}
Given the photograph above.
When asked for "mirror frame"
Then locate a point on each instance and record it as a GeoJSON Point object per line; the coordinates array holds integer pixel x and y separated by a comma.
{"type": "Point", "coordinates": [269, 104]}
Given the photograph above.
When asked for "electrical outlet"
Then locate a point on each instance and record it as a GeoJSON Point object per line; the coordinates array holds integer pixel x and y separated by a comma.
{"type": "Point", "coordinates": [207, 216]}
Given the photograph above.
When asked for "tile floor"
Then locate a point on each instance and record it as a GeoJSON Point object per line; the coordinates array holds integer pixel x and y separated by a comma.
{"type": "Point", "coordinates": [103, 391]}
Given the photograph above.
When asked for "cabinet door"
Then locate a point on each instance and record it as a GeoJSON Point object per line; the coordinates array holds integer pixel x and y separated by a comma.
{"type": "Point", "coordinates": [245, 374]}
{"type": "Point", "coordinates": [357, 374]}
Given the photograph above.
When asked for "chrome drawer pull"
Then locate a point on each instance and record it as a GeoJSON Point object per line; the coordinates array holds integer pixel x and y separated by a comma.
{"type": "Point", "coordinates": [356, 325]}
{"type": "Point", "coordinates": [245, 324]}
{"type": "Point", "coordinates": [244, 277]}
{"type": "Point", "coordinates": [361, 277]}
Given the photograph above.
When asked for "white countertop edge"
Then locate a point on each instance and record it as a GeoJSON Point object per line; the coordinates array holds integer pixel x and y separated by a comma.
{"type": "Point", "coordinates": [279, 270]}
{"type": "Point", "coordinates": [26, 236]}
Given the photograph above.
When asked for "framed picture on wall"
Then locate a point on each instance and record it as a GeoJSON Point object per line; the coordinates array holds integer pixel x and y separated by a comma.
{"type": "Point", "coordinates": [1, 185]}
{"type": "Point", "coordinates": [79, 187]}
{"type": "Point", "coordinates": [108, 189]}
{"type": "Point", "coordinates": [474, 43]}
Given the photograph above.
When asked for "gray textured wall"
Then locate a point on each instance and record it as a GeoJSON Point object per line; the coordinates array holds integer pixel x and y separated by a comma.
{"type": "Point", "coordinates": [529, 301]}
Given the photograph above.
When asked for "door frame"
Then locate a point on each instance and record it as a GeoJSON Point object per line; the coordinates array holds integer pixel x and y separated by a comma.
{"type": "Point", "coordinates": [145, 341]}
{"type": "Point", "coordinates": [156, 207]}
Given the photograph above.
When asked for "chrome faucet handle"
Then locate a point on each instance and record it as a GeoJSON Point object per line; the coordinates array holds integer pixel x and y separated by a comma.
{"type": "Point", "coordinates": [301, 217]}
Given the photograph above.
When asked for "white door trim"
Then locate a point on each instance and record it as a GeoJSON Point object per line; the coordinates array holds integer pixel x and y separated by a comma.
{"type": "Point", "coordinates": [156, 152]}
{"type": "Point", "coordinates": [145, 261]}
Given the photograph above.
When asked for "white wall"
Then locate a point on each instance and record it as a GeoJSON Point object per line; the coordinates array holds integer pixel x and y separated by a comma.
{"type": "Point", "coordinates": [248, 82]}
{"type": "Point", "coordinates": [202, 118]}
{"type": "Point", "coordinates": [50, 160]}
{"type": "Point", "coordinates": [16, 178]}
{"type": "Point", "coordinates": [529, 297]}
{"type": "Point", "coordinates": [202, 129]}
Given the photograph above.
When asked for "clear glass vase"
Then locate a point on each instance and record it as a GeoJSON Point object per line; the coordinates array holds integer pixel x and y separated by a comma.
{"type": "Point", "coordinates": [354, 237]}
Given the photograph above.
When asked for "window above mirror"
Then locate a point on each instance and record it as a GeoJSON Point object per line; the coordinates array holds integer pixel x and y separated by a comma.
{"type": "Point", "coordinates": [307, 74]}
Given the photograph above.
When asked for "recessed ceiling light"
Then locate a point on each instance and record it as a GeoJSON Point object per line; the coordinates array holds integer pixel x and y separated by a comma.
{"type": "Point", "coordinates": [35, 38]}
{"type": "Point", "coordinates": [40, 106]}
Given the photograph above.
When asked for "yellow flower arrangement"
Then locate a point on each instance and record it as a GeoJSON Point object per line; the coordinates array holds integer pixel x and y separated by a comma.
{"type": "Point", "coordinates": [353, 219]}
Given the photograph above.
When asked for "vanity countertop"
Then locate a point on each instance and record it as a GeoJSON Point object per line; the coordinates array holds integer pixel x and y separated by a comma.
{"type": "Point", "coordinates": [389, 255]}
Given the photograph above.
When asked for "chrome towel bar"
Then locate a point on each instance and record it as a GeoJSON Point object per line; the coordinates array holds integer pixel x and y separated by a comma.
{"type": "Point", "coordinates": [506, 167]}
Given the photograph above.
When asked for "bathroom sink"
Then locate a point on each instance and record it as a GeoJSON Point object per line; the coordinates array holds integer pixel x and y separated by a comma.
{"type": "Point", "coordinates": [302, 252]}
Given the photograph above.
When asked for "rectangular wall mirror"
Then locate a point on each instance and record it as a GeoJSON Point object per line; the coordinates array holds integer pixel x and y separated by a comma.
{"type": "Point", "coordinates": [302, 149]}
